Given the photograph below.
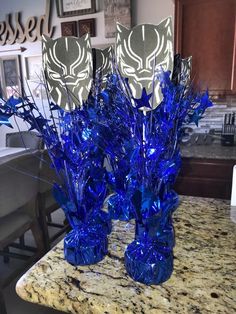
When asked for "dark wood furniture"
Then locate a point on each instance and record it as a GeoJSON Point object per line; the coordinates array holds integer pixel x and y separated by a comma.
{"type": "Point", "coordinates": [206, 30]}
{"type": "Point", "coordinates": [46, 202]}
{"type": "Point", "coordinates": [26, 139]}
{"type": "Point", "coordinates": [205, 177]}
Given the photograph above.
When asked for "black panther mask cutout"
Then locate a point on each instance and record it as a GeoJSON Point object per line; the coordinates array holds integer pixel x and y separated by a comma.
{"type": "Point", "coordinates": [182, 70]}
{"type": "Point", "coordinates": [176, 69]}
{"type": "Point", "coordinates": [102, 63]}
{"type": "Point", "coordinates": [186, 67]}
{"type": "Point", "coordinates": [141, 53]}
{"type": "Point", "coordinates": [67, 62]}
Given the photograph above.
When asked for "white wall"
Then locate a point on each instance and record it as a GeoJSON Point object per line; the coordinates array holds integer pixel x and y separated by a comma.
{"type": "Point", "coordinates": [143, 11]}
{"type": "Point", "coordinates": [151, 11]}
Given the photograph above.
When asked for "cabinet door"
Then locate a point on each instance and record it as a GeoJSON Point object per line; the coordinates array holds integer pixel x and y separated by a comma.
{"type": "Point", "coordinates": [206, 30]}
{"type": "Point", "coordinates": [205, 177]}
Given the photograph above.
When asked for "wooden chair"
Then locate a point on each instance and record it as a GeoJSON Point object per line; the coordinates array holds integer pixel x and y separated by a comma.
{"type": "Point", "coordinates": [27, 139]}
{"type": "Point", "coordinates": [47, 203]}
{"type": "Point", "coordinates": [18, 210]}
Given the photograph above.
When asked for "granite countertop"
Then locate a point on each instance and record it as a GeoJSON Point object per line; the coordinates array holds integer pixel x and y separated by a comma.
{"type": "Point", "coordinates": [203, 280]}
{"type": "Point", "coordinates": [214, 151]}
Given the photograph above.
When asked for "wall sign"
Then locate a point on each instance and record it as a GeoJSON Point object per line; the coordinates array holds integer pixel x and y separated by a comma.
{"type": "Point", "coordinates": [31, 31]}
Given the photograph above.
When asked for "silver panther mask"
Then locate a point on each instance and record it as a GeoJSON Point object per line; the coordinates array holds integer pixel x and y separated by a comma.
{"type": "Point", "coordinates": [182, 70]}
{"type": "Point", "coordinates": [103, 63]}
{"type": "Point", "coordinates": [142, 53]}
{"type": "Point", "coordinates": [185, 74]}
{"type": "Point", "coordinates": [67, 62]}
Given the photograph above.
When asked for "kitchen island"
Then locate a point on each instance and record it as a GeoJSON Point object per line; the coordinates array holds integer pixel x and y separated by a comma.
{"type": "Point", "coordinates": [203, 280]}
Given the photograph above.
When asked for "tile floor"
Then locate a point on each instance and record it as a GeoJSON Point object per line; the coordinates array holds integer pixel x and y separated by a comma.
{"type": "Point", "coordinates": [14, 304]}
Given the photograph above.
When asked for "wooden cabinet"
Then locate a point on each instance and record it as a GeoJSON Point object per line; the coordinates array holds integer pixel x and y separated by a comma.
{"type": "Point", "coordinates": [205, 177]}
{"type": "Point", "coordinates": [206, 30]}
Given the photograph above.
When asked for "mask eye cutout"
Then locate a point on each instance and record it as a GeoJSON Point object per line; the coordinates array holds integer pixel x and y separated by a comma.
{"type": "Point", "coordinates": [129, 70]}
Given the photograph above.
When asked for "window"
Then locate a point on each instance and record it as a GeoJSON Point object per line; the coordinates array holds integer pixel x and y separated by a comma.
{"type": "Point", "coordinates": [10, 76]}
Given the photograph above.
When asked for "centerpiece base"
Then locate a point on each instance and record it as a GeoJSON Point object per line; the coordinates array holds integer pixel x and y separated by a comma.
{"type": "Point", "coordinates": [85, 247]}
{"type": "Point", "coordinates": [148, 262]}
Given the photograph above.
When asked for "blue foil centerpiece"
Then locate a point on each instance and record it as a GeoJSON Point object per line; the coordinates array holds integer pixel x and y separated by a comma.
{"type": "Point", "coordinates": [119, 135]}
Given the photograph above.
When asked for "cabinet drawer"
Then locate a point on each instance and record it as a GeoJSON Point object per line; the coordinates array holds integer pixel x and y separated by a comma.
{"type": "Point", "coordinates": [204, 187]}
{"type": "Point", "coordinates": [207, 168]}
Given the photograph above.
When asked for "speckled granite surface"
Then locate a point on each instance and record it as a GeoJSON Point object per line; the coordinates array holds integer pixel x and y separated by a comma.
{"type": "Point", "coordinates": [214, 151]}
{"type": "Point", "coordinates": [203, 280]}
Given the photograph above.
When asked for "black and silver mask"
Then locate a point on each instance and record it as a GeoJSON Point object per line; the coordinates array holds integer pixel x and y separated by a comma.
{"type": "Point", "coordinates": [182, 70]}
{"type": "Point", "coordinates": [186, 67]}
{"type": "Point", "coordinates": [102, 63]}
{"type": "Point", "coordinates": [67, 62]}
{"type": "Point", "coordinates": [141, 53]}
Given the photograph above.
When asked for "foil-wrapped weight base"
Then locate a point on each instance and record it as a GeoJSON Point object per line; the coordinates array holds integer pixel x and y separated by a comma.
{"type": "Point", "coordinates": [85, 247]}
{"type": "Point", "coordinates": [148, 263]}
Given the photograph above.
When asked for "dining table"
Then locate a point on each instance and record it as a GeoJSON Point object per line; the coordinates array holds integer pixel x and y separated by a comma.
{"type": "Point", "coordinates": [203, 280]}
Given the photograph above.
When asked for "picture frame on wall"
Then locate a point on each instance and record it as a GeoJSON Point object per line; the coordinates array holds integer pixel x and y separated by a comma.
{"type": "Point", "coordinates": [34, 67]}
{"type": "Point", "coordinates": [116, 11]}
{"type": "Point", "coordinates": [69, 28]}
{"type": "Point", "coordinates": [11, 76]}
{"type": "Point", "coordinates": [34, 76]}
{"type": "Point", "coordinates": [66, 8]}
{"type": "Point", "coordinates": [87, 26]}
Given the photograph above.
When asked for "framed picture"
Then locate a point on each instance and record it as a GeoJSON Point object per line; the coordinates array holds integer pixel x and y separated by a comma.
{"type": "Point", "coordinates": [67, 8]}
{"type": "Point", "coordinates": [87, 26]}
{"type": "Point", "coordinates": [69, 28]}
{"type": "Point", "coordinates": [116, 11]}
{"type": "Point", "coordinates": [34, 75]}
{"type": "Point", "coordinates": [34, 67]}
{"type": "Point", "coordinates": [10, 76]}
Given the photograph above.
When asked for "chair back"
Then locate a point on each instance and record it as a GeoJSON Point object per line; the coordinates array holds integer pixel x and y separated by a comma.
{"type": "Point", "coordinates": [19, 182]}
{"type": "Point", "coordinates": [47, 174]}
{"type": "Point", "coordinates": [27, 139]}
